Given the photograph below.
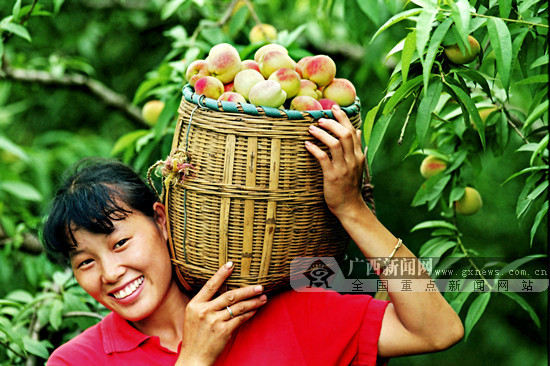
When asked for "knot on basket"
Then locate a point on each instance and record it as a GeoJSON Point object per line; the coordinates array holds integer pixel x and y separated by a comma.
{"type": "Point", "coordinates": [177, 167]}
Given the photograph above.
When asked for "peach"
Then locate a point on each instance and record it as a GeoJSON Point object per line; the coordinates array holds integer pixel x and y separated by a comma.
{"type": "Point", "coordinates": [305, 103]}
{"type": "Point", "coordinates": [269, 47]}
{"type": "Point", "coordinates": [229, 87]}
{"type": "Point", "coordinates": [470, 203]}
{"type": "Point", "coordinates": [431, 166]}
{"type": "Point", "coordinates": [341, 91]}
{"type": "Point", "coordinates": [300, 65]}
{"type": "Point", "coordinates": [454, 54]}
{"type": "Point", "coordinates": [320, 69]}
{"type": "Point", "coordinates": [262, 33]}
{"type": "Point", "coordinates": [327, 103]}
{"type": "Point", "coordinates": [267, 93]}
{"type": "Point", "coordinates": [151, 111]}
{"type": "Point", "coordinates": [308, 87]}
{"type": "Point", "coordinates": [289, 80]}
{"type": "Point", "coordinates": [274, 60]}
{"type": "Point", "coordinates": [224, 62]}
{"type": "Point", "coordinates": [209, 86]}
{"type": "Point", "coordinates": [196, 70]}
{"type": "Point", "coordinates": [232, 97]}
{"type": "Point", "coordinates": [245, 80]}
{"type": "Point", "coordinates": [250, 64]}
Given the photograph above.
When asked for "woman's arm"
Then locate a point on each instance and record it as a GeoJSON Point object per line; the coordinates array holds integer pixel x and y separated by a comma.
{"type": "Point", "coordinates": [414, 322]}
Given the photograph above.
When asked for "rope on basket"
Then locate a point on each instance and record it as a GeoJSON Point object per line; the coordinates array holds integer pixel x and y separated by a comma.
{"type": "Point", "coordinates": [175, 169]}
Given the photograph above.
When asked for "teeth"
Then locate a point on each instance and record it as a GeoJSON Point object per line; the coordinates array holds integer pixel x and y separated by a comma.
{"type": "Point", "coordinates": [128, 290]}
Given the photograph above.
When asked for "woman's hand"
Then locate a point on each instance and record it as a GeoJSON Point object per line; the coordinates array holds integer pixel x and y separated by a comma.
{"type": "Point", "coordinates": [210, 322]}
{"type": "Point", "coordinates": [343, 170]}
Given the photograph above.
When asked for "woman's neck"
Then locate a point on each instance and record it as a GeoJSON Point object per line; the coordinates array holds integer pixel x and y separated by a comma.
{"type": "Point", "coordinates": [166, 322]}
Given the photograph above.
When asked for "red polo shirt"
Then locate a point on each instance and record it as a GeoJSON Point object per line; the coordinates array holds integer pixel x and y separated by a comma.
{"type": "Point", "coordinates": [293, 328]}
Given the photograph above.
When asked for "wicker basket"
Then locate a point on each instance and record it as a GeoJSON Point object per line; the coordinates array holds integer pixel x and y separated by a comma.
{"type": "Point", "coordinates": [255, 196]}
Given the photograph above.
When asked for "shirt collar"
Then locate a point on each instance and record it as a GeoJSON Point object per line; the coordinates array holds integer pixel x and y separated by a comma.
{"type": "Point", "coordinates": [119, 335]}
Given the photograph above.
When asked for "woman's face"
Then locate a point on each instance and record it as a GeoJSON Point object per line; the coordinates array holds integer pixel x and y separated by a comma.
{"type": "Point", "coordinates": [129, 270]}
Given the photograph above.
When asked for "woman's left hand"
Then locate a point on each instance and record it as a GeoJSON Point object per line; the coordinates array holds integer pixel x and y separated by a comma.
{"type": "Point", "coordinates": [343, 169]}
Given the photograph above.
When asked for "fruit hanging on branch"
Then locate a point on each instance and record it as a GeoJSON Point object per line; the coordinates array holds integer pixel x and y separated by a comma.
{"type": "Point", "coordinates": [455, 55]}
{"type": "Point", "coordinates": [470, 203]}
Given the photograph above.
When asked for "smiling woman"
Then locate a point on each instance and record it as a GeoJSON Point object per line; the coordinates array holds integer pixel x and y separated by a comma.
{"type": "Point", "coordinates": [108, 223]}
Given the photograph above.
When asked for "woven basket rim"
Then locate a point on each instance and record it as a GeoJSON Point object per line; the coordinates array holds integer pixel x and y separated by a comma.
{"type": "Point", "coordinates": [252, 109]}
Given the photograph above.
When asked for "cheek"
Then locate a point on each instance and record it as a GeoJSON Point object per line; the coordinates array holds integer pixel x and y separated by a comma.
{"type": "Point", "coordinates": [89, 283]}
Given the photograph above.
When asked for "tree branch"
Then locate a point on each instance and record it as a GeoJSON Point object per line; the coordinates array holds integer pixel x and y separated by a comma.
{"type": "Point", "coordinates": [108, 96]}
{"type": "Point", "coordinates": [31, 243]}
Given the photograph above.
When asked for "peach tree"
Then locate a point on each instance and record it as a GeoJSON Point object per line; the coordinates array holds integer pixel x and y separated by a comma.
{"type": "Point", "coordinates": [471, 80]}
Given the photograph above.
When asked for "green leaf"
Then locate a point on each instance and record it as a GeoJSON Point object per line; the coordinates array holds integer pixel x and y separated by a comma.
{"type": "Point", "coordinates": [538, 219]}
{"type": "Point", "coordinates": [431, 191]}
{"type": "Point", "coordinates": [504, 7]}
{"type": "Point", "coordinates": [538, 190]}
{"type": "Point", "coordinates": [166, 116]}
{"type": "Point", "coordinates": [21, 190]}
{"type": "Point", "coordinates": [425, 109]}
{"type": "Point", "coordinates": [542, 60]}
{"type": "Point", "coordinates": [517, 263]}
{"type": "Point", "coordinates": [524, 305]}
{"type": "Point", "coordinates": [170, 8]}
{"type": "Point", "coordinates": [460, 13]}
{"type": "Point", "coordinates": [17, 29]}
{"type": "Point", "coordinates": [35, 347]}
{"type": "Point", "coordinates": [238, 20]}
{"type": "Point", "coordinates": [16, 9]}
{"type": "Point", "coordinates": [423, 29]}
{"type": "Point", "coordinates": [127, 140]}
{"type": "Point", "coordinates": [56, 314]}
{"type": "Point", "coordinates": [368, 123]}
{"type": "Point", "coordinates": [57, 4]}
{"type": "Point", "coordinates": [475, 312]}
{"type": "Point", "coordinates": [401, 93]}
{"type": "Point", "coordinates": [499, 36]}
{"type": "Point", "coordinates": [472, 111]}
{"type": "Point", "coordinates": [433, 224]}
{"type": "Point", "coordinates": [433, 47]}
{"type": "Point", "coordinates": [476, 77]}
{"type": "Point", "coordinates": [408, 52]}
{"type": "Point", "coordinates": [537, 112]}
{"type": "Point", "coordinates": [540, 147]}
{"type": "Point", "coordinates": [533, 80]}
{"type": "Point", "coordinates": [7, 328]}
{"type": "Point", "coordinates": [396, 19]}
{"type": "Point", "coordinates": [436, 247]}
{"type": "Point", "coordinates": [12, 148]}
{"type": "Point", "coordinates": [459, 300]}
{"type": "Point", "coordinates": [526, 170]}
{"type": "Point", "coordinates": [376, 136]}
{"type": "Point", "coordinates": [370, 8]}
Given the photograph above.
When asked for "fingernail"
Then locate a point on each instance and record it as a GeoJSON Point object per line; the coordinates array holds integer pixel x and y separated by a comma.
{"type": "Point", "coordinates": [263, 298]}
{"type": "Point", "coordinates": [229, 264]}
{"type": "Point", "coordinates": [307, 143]}
{"type": "Point", "coordinates": [335, 107]}
{"type": "Point", "coordinates": [321, 121]}
{"type": "Point", "coordinates": [258, 288]}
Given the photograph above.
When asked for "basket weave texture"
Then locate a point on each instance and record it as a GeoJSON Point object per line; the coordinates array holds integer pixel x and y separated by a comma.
{"type": "Point", "coordinates": [255, 196]}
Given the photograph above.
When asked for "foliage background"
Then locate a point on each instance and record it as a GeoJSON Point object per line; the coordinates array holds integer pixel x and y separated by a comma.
{"type": "Point", "coordinates": [89, 65]}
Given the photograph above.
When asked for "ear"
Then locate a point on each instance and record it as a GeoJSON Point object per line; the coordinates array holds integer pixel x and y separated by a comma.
{"type": "Point", "coordinates": [160, 218]}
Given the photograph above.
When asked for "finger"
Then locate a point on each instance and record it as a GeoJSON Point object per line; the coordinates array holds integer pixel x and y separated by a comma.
{"type": "Point", "coordinates": [242, 308]}
{"type": "Point", "coordinates": [236, 296]}
{"type": "Point", "coordinates": [211, 286]}
{"type": "Point", "coordinates": [344, 135]}
{"type": "Point", "coordinates": [334, 145]}
{"type": "Point", "coordinates": [320, 155]}
{"type": "Point", "coordinates": [342, 117]}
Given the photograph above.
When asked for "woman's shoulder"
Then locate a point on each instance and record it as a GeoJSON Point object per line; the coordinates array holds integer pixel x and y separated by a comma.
{"type": "Point", "coordinates": [84, 349]}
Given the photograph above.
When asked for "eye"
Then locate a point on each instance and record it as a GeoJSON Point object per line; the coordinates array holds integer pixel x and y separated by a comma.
{"type": "Point", "coordinates": [85, 263]}
{"type": "Point", "coordinates": [120, 243]}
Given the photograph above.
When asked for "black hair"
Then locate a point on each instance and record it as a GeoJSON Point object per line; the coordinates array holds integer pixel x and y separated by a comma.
{"type": "Point", "coordinates": [94, 193]}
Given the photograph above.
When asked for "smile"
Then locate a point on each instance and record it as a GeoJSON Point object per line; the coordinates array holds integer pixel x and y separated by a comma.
{"type": "Point", "coordinates": [129, 289]}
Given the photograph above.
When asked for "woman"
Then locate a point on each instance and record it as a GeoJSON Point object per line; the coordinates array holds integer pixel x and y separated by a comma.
{"type": "Point", "coordinates": [107, 222]}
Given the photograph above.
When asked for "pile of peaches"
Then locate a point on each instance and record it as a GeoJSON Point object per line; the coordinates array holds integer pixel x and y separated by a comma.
{"type": "Point", "coordinates": [272, 79]}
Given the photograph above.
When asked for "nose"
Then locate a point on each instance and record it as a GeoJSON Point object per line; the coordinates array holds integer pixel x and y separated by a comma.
{"type": "Point", "coordinates": [111, 269]}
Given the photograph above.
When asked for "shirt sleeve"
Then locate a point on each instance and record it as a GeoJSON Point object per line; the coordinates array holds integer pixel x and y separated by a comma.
{"type": "Point", "coordinates": [336, 329]}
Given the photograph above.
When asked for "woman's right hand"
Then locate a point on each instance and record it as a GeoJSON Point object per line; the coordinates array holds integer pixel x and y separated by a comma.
{"type": "Point", "coordinates": [208, 322]}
